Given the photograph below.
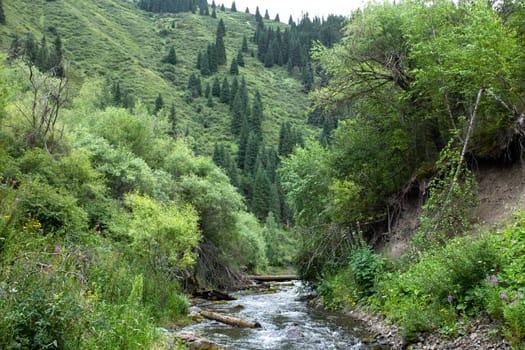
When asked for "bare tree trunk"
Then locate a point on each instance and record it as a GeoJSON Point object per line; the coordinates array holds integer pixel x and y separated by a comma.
{"type": "Point", "coordinates": [232, 321]}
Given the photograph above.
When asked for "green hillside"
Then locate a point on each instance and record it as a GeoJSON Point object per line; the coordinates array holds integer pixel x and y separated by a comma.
{"type": "Point", "coordinates": [115, 40]}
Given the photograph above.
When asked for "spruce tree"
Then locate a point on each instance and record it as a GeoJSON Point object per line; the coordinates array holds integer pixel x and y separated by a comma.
{"type": "Point", "coordinates": [209, 103]}
{"type": "Point", "coordinates": [258, 16]}
{"type": "Point", "coordinates": [216, 88]}
{"type": "Point", "coordinates": [213, 6]}
{"type": "Point", "coordinates": [267, 15]}
{"type": "Point", "coordinates": [252, 150]}
{"type": "Point", "coordinates": [233, 7]}
{"type": "Point", "coordinates": [159, 103]}
{"type": "Point", "coordinates": [218, 155]}
{"type": "Point", "coordinates": [221, 29]}
{"type": "Point", "coordinates": [223, 8]}
{"type": "Point", "coordinates": [213, 13]}
{"type": "Point", "coordinates": [225, 91]}
{"type": "Point", "coordinates": [247, 10]}
{"type": "Point", "coordinates": [243, 142]}
{"type": "Point", "coordinates": [307, 77]}
{"type": "Point", "coordinates": [56, 58]}
{"type": "Point", "coordinates": [256, 115]}
{"type": "Point", "coordinates": [172, 118]}
{"type": "Point", "coordinates": [234, 67]}
{"type": "Point", "coordinates": [240, 59]}
{"type": "Point", "coordinates": [43, 59]}
{"type": "Point", "coordinates": [262, 192]}
{"type": "Point", "coordinates": [221, 51]}
{"type": "Point", "coordinates": [207, 90]}
{"type": "Point", "coordinates": [116, 95]}
{"type": "Point", "coordinates": [234, 88]}
{"type": "Point", "coordinates": [171, 58]}
{"type": "Point", "coordinates": [277, 19]}
{"type": "Point", "coordinates": [237, 115]}
{"type": "Point", "coordinates": [245, 102]}
{"type": "Point", "coordinates": [244, 47]}
{"type": "Point", "coordinates": [205, 64]}
{"type": "Point", "coordinates": [2, 14]}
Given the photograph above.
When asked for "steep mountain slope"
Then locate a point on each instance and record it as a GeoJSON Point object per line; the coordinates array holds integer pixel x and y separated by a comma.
{"type": "Point", "coordinates": [114, 40]}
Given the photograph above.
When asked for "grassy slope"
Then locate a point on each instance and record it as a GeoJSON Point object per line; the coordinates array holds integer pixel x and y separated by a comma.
{"type": "Point", "coordinates": [115, 39]}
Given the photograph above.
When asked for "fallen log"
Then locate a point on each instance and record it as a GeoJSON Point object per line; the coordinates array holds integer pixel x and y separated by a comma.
{"type": "Point", "coordinates": [213, 295]}
{"type": "Point", "coordinates": [197, 343]}
{"type": "Point", "coordinates": [232, 321]}
{"type": "Point", "coordinates": [276, 278]}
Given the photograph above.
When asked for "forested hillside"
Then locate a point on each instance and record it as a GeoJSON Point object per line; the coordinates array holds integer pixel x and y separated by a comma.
{"type": "Point", "coordinates": [139, 156]}
{"type": "Point", "coordinates": [151, 148]}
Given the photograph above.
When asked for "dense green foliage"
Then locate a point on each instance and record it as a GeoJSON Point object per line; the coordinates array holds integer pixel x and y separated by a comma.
{"type": "Point", "coordinates": [414, 91]}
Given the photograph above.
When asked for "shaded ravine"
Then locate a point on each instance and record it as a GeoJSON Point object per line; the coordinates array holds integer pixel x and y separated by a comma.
{"type": "Point", "coordinates": [287, 323]}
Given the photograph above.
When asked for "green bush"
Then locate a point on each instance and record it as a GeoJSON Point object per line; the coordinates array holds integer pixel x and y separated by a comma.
{"type": "Point", "coordinates": [55, 208]}
{"type": "Point", "coordinates": [446, 282]}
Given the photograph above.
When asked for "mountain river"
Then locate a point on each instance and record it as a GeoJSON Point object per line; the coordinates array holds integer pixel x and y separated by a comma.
{"type": "Point", "coordinates": [287, 321]}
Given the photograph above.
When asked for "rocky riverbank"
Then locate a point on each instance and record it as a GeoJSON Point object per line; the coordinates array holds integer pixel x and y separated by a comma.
{"type": "Point", "coordinates": [479, 334]}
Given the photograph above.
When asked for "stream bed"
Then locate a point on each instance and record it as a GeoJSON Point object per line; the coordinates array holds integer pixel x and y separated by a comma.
{"type": "Point", "coordinates": [287, 322]}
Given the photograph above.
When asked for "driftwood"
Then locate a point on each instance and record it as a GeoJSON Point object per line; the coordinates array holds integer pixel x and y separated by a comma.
{"type": "Point", "coordinates": [197, 343]}
{"type": "Point", "coordinates": [276, 278]}
{"type": "Point", "coordinates": [213, 294]}
{"type": "Point", "coordinates": [232, 321]}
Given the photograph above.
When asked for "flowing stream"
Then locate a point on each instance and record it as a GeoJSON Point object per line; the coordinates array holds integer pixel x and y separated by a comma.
{"type": "Point", "coordinates": [287, 323]}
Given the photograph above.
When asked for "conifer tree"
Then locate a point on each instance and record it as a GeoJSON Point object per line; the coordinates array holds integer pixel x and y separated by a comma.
{"type": "Point", "coordinates": [234, 67]}
{"type": "Point", "coordinates": [213, 13]}
{"type": "Point", "coordinates": [244, 47]}
{"type": "Point", "coordinates": [243, 142]}
{"type": "Point", "coordinates": [194, 85]}
{"type": "Point", "coordinates": [266, 15]}
{"type": "Point", "coordinates": [218, 155]}
{"type": "Point", "coordinates": [223, 8]}
{"type": "Point", "coordinates": [258, 16]}
{"type": "Point", "coordinates": [234, 87]}
{"type": "Point", "coordinates": [268, 58]}
{"type": "Point", "coordinates": [198, 65]}
{"type": "Point", "coordinates": [220, 50]}
{"type": "Point", "coordinates": [213, 5]}
{"type": "Point", "coordinates": [43, 59]}
{"type": "Point", "coordinates": [240, 59]}
{"type": "Point", "coordinates": [221, 29]}
{"type": "Point", "coordinates": [262, 192]}
{"type": "Point", "coordinates": [209, 103]}
{"type": "Point", "coordinates": [252, 150]}
{"type": "Point", "coordinates": [233, 7]}
{"type": "Point", "coordinates": [216, 88]}
{"type": "Point", "coordinates": [225, 91]}
{"type": "Point", "coordinates": [171, 58]}
{"type": "Point", "coordinates": [56, 59]}
{"type": "Point", "coordinates": [277, 19]}
{"type": "Point", "coordinates": [245, 103]}
{"type": "Point", "coordinates": [159, 103]}
{"type": "Point", "coordinates": [116, 95]}
{"type": "Point", "coordinates": [172, 118]}
{"type": "Point", "coordinates": [256, 115]}
{"type": "Point", "coordinates": [207, 90]}
{"type": "Point", "coordinates": [205, 64]}
{"type": "Point", "coordinates": [247, 10]}
{"type": "Point", "coordinates": [307, 77]}
{"type": "Point", "coordinates": [212, 58]}
{"type": "Point", "coordinates": [237, 115]}
{"type": "Point", "coordinates": [2, 14]}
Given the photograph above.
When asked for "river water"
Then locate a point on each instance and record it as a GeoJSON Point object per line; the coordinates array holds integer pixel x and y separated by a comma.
{"type": "Point", "coordinates": [287, 323]}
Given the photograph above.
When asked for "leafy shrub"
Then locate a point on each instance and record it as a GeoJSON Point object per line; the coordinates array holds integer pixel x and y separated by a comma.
{"type": "Point", "coordinates": [55, 208]}
{"type": "Point", "coordinates": [364, 267]}
{"type": "Point", "coordinates": [443, 283]}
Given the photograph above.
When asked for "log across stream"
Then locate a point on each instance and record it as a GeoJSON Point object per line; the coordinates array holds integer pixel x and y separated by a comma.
{"type": "Point", "coordinates": [286, 320]}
